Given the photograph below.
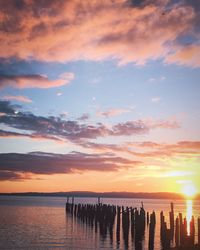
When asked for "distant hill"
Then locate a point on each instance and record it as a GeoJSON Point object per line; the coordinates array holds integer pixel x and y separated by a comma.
{"type": "Point", "coordinates": [158, 195]}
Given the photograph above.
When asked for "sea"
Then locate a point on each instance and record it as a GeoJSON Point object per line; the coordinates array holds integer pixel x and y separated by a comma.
{"type": "Point", "coordinates": [33, 222]}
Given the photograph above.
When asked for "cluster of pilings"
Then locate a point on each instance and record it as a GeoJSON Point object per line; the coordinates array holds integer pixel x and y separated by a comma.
{"type": "Point", "coordinates": [179, 229]}
{"type": "Point", "coordinates": [130, 220]}
{"type": "Point", "coordinates": [101, 215]}
{"type": "Point", "coordinates": [167, 234]}
{"type": "Point", "coordinates": [182, 236]}
{"type": "Point", "coordinates": [133, 219]}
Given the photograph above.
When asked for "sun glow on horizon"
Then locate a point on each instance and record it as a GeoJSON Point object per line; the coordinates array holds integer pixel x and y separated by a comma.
{"type": "Point", "coordinates": [189, 190]}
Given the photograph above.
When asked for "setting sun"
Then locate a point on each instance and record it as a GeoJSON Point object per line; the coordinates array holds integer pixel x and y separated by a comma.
{"type": "Point", "coordinates": [189, 190]}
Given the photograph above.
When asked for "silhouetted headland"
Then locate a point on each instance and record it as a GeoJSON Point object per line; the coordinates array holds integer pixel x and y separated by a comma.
{"type": "Point", "coordinates": [145, 195]}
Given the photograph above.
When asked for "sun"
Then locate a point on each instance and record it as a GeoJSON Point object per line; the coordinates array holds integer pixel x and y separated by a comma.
{"type": "Point", "coordinates": [189, 190]}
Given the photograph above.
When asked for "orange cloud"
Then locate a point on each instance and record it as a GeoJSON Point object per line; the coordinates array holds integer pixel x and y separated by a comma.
{"type": "Point", "coordinates": [34, 81]}
{"type": "Point", "coordinates": [18, 98]}
{"type": "Point", "coordinates": [189, 55]}
{"type": "Point", "coordinates": [94, 30]}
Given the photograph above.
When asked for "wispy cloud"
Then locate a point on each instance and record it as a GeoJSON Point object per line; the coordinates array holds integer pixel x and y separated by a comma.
{"type": "Point", "coordinates": [113, 112]}
{"type": "Point", "coordinates": [74, 130]}
{"type": "Point", "coordinates": [18, 98]}
{"type": "Point", "coordinates": [84, 117]}
{"type": "Point", "coordinates": [35, 136]}
{"type": "Point", "coordinates": [155, 99]}
{"type": "Point", "coordinates": [148, 149]}
{"type": "Point", "coordinates": [34, 81]}
{"type": "Point", "coordinates": [98, 30]}
{"type": "Point", "coordinates": [156, 79]}
{"type": "Point", "coordinates": [59, 94]}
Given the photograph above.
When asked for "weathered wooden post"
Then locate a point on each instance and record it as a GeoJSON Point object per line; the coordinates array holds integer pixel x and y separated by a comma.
{"type": "Point", "coordinates": [118, 225]}
{"type": "Point", "coordinates": [198, 230]}
{"type": "Point", "coordinates": [181, 228]}
{"type": "Point", "coordinates": [171, 217]}
{"type": "Point", "coordinates": [184, 231]}
{"type": "Point", "coordinates": [192, 231]}
{"type": "Point", "coordinates": [162, 220]}
{"type": "Point", "coordinates": [125, 226]}
{"type": "Point", "coordinates": [152, 230]}
{"type": "Point", "coordinates": [147, 218]}
{"type": "Point", "coordinates": [132, 223]}
{"type": "Point", "coordinates": [177, 233]}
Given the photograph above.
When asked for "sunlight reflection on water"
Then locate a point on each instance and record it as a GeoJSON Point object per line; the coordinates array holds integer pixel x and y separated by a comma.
{"type": "Point", "coordinates": [189, 209]}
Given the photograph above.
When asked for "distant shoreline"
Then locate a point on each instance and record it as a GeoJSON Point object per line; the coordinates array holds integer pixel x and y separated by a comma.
{"type": "Point", "coordinates": [159, 195]}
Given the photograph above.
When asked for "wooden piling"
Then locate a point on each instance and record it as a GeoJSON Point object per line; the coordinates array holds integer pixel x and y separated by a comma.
{"type": "Point", "coordinates": [118, 225]}
{"type": "Point", "coordinates": [181, 229]}
{"type": "Point", "coordinates": [177, 232]}
{"type": "Point", "coordinates": [152, 230]}
{"type": "Point", "coordinates": [198, 222]}
{"type": "Point", "coordinates": [171, 219]}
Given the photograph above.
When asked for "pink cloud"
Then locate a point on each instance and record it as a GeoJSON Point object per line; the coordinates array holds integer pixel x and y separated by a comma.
{"type": "Point", "coordinates": [18, 98]}
{"type": "Point", "coordinates": [148, 149]}
{"type": "Point", "coordinates": [34, 81]}
{"type": "Point", "coordinates": [94, 30]}
{"type": "Point", "coordinates": [113, 112]}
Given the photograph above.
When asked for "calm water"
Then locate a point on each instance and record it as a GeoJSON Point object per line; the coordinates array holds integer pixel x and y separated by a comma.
{"type": "Point", "coordinates": [41, 223]}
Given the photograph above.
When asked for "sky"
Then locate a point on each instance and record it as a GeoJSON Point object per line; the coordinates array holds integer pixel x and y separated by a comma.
{"type": "Point", "coordinates": [99, 95]}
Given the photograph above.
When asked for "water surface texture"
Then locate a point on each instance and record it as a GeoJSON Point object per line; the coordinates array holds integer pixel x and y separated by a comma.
{"type": "Point", "coordinates": [42, 223]}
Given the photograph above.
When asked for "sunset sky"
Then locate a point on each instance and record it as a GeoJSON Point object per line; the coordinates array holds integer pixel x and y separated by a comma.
{"type": "Point", "coordinates": [99, 95]}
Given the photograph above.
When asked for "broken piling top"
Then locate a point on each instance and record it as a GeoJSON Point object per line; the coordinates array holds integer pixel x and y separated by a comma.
{"type": "Point", "coordinates": [172, 207]}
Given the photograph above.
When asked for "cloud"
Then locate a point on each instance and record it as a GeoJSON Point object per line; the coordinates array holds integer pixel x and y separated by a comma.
{"type": "Point", "coordinates": [10, 176]}
{"type": "Point", "coordinates": [113, 112]}
{"type": "Point", "coordinates": [14, 166]}
{"type": "Point", "coordinates": [148, 149]}
{"type": "Point", "coordinates": [84, 117]}
{"type": "Point", "coordinates": [182, 148]}
{"type": "Point", "coordinates": [96, 30]}
{"type": "Point", "coordinates": [6, 108]}
{"type": "Point", "coordinates": [11, 134]}
{"type": "Point", "coordinates": [34, 81]}
{"type": "Point", "coordinates": [74, 130]}
{"type": "Point", "coordinates": [18, 98]}
{"type": "Point", "coordinates": [155, 99]}
{"type": "Point", "coordinates": [188, 56]}
{"type": "Point", "coordinates": [156, 80]}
